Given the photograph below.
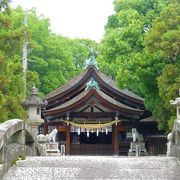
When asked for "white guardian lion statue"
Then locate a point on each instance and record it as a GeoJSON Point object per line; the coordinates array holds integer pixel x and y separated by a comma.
{"type": "Point", "coordinates": [51, 137]}
{"type": "Point", "coordinates": [137, 137]}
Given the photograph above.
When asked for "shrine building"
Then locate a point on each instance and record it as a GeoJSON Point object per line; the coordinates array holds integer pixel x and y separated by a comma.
{"type": "Point", "coordinates": [94, 117]}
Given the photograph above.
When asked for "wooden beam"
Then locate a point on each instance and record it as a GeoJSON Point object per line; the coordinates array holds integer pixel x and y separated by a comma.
{"type": "Point", "coordinates": [91, 114]}
{"type": "Point", "coordinates": [92, 109]}
{"type": "Point", "coordinates": [84, 108]}
{"type": "Point", "coordinates": [99, 108]}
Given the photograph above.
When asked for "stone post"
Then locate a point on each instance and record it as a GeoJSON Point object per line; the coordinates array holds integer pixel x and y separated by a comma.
{"type": "Point", "coordinates": [3, 163]}
{"type": "Point", "coordinates": [3, 156]}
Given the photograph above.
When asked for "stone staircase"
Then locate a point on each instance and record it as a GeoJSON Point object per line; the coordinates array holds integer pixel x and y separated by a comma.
{"type": "Point", "coordinates": [95, 167]}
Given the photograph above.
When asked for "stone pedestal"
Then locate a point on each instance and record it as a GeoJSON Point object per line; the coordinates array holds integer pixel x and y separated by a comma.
{"type": "Point", "coordinates": [35, 125]}
{"type": "Point", "coordinates": [137, 149]}
{"type": "Point", "coordinates": [52, 149]}
{"type": "Point", "coordinates": [173, 150]}
{"type": "Point", "coordinates": [42, 140]}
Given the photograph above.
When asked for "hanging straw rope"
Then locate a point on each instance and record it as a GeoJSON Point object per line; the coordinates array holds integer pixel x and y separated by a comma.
{"type": "Point", "coordinates": [92, 126]}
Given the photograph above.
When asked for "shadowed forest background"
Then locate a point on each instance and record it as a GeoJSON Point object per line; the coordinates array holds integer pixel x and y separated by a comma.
{"type": "Point", "coordinates": [140, 50]}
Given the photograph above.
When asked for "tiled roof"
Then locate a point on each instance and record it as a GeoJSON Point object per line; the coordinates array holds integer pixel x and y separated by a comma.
{"type": "Point", "coordinates": [112, 83]}
{"type": "Point", "coordinates": [149, 119]}
{"type": "Point", "coordinates": [66, 86]}
{"type": "Point", "coordinates": [79, 77]}
{"type": "Point", "coordinates": [101, 94]}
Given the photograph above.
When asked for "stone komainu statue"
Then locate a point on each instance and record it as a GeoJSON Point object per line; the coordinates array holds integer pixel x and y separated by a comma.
{"type": "Point", "coordinates": [48, 137]}
{"type": "Point", "coordinates": [52, 136]}
{"type": "Point", "coordinates": [137, 137]}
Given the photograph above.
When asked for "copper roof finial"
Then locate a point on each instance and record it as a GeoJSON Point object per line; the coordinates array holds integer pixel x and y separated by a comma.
{"type": "Point", "coordinates": [91, 62]}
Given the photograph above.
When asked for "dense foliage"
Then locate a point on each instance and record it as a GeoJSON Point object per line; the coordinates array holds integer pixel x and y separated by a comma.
{"type": "Point", "coordinates": [11, 83]}
{"type": "Point", "coordinates": [52, 59]}
{"type": "Point", "coordinates": [140, 50]}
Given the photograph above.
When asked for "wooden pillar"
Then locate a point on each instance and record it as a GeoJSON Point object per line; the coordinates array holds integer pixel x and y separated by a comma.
{"type": "Point", "coordinates": [68, 140]}
{"type": "Point", "coordinates": [45, 128]}
{"type": "Point", "coordinates": [115, 140]}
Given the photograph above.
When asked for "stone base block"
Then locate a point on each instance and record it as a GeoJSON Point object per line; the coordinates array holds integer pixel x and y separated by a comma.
{"type": "Point", "coordinates": [141, 153]}
{"type": "Point", "coordinates": [52, 152]}
{"type": "Point", "coordinates": [174, 151]}
{"type": "Point", "coordinates": [137, 149]}
{"type": "Point", "coordinates": [140, 144]}
{"type": "Point", "coordinates": [52, 149]}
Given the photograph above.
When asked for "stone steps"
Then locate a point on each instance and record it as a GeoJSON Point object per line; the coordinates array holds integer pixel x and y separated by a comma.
{"type": "Point", "coordinates": [95, 167]}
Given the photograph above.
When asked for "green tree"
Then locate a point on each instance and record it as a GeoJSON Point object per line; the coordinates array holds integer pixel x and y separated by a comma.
{"type": "Point", "coordinates": [52, 58]}
{"type": "Point", "coordinates": [162, 58]}
{"type": "Point", "coordinates": [11, 83]}
{"type": "Point", "coordinates": [140, 44]}
{"type": "Point", "coordinates": [81, 50]}
{"type": "Point", "coordinates": [122, 48]}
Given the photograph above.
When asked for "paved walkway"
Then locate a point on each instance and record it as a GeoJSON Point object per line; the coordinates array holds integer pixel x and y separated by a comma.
{"type": "Point", "coordinates": [95, 167]}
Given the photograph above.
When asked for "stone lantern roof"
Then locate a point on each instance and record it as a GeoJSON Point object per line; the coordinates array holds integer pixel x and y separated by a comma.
{"type": "Point", "coordinates": [176, 102]}
{"type": "Point", "coordinates": [34, 100]}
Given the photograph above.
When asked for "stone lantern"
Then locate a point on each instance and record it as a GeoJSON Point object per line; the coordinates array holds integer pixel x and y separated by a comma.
{"type": "Point", "coordinates": [33, 104]}
{"type": "Point", "coordinates": [173, 145]}
{"type": "Point", "coordinates": [177, 104]}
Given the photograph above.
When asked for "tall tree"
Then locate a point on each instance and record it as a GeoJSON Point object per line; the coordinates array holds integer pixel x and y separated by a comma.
{"type": "Point", "coordinates": [122, 46]}
{"type": "Point", "coordinates": [162, 50]}
{"type": "Point", "coordinates": [140, 43]}
{"type": "Point", "coordinates": [11, 83]}
{"type": "Point", "coordinates": [52, 58]}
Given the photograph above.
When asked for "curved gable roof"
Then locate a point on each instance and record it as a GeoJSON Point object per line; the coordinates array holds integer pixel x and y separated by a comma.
{"type": "Point", "coordinates": [82, 78]}
{"type": "Point", "coordinates": [83, 97]}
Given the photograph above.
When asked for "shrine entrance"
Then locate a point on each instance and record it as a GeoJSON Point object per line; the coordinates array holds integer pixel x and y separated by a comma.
{"type": "Point", "coordinates": [92, 144]}
{"type": "Point", "coordinates": [86, 142]}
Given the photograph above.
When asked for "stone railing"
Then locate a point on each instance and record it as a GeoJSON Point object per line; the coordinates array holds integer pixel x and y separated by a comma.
{"type": "Point", "coordinates": [16, 139]}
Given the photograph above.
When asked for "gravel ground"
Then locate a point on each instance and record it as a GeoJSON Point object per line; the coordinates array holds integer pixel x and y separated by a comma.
{"type": "Point", "coordinates": [95, 167]}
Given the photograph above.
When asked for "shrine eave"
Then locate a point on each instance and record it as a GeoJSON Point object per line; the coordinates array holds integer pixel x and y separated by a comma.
{"type": "Point", "coordinates": [81, 100]}
{"type": "Point", "coordinates": [67, 86]}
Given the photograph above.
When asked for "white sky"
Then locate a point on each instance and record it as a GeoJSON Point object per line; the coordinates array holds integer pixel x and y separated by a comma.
{"type": "Point", "coordinates": [73, 18]}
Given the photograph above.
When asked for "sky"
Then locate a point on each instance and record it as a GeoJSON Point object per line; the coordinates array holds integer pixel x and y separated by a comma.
{"type": "Point", "coordinates": [73, 18]}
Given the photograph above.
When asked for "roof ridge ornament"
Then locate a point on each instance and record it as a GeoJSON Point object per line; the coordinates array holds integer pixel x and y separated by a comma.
{"type": "Point", "coordinates": [92, 84]}
{"type": "Point", "coordinates": [91, 62]}
{"type": "Point", "coordinates": [34, 90]}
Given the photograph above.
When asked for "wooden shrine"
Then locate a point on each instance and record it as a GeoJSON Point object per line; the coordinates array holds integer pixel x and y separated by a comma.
{"type": "Point", "coordinates": [94, 117]}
